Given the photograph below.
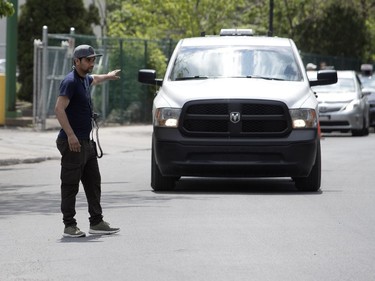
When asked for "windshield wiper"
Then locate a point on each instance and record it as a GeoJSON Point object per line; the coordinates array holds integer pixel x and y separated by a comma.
{"type": "Point", "coordinates": [191, 77]}
{"type": "Point", "coordinates": [265, 78]}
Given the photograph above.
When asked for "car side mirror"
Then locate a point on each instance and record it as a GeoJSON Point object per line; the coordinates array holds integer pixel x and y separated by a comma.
{"type": "Point", "coordinates": [148, 76]}
{"type": "Point", "coordinates": [325, 77]}
{"type": "Point", "coordinates": [367, 91]}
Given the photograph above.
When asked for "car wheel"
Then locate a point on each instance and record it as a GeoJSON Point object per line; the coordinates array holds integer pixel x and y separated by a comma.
{"type": "Point", "coordinates": [313, 180]}
{"type": "Point", "coordinates": [362, 132]}
{"type": "Point", "coordinates": [158, 181]}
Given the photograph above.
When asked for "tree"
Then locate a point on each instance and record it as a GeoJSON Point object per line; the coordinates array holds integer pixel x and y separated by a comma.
{"type": "Point", "coordinates": [338, 31]}
{"type": "Point", "coordinates": [325, 27]}
{"type": "Point", "coordinates": [6, 8]}
{"type": "Point", "coordinates": [170, 18]}
{"type": "Point", "coordinates": [59, 16]}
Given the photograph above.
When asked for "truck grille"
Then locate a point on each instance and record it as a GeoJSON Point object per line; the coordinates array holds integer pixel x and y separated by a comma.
{"type": "Point", "coordinates": [235, 118]}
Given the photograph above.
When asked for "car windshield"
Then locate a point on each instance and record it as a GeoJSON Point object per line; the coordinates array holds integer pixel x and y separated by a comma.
{"type": "Point", "coordinates": [343, 85]}
{"type": "Point", "coordinates": [368, 82]}
{"type": "Point", "coordinates": [273, 63]}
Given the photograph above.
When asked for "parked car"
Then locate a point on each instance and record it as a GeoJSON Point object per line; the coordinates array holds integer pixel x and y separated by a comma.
{"type": "Point", "coordinates": [2, 65]}
{"type": "Point", "coordinates": [368, 83]}
{"type": "Point", "coordinates": [343, 106]}
{"type": "Point", "coordinates": [235, 105]}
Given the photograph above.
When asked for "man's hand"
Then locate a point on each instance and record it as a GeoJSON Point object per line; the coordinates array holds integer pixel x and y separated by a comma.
{"type": "Point", "coordinates": [113, 75]}
{"type": "Point", "coordinates": [74, 144]}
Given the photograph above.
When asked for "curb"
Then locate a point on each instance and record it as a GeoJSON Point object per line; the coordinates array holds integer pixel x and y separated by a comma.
{"type": "Point", "coordinates": [13, 161]}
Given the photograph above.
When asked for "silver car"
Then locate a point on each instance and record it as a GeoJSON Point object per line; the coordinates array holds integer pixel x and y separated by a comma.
{"type": "Point", "coordinates": [2, 65]}
{"type": "Point", "coordinates": [368, 83]}
{"type": "Point", "coordinates": [343, 106]}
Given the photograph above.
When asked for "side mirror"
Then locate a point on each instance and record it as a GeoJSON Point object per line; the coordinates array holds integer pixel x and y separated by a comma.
{"type": "Point", "coordinates": [148, 76]}
{"type": "Point", "coordinates": [325, 77]}
{"type": "Point", "coordinates": [367, 91]}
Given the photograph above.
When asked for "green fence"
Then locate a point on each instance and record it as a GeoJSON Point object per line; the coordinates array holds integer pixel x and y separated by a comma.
{"type": "Point", "coordinates": [338, 63]}
{"type": "Point", "coordinates": [127, 100]}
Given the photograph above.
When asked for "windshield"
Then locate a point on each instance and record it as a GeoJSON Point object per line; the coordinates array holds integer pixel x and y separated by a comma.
{"type": "Point", "coordinates": [368, 82]}
{"type": "Point", "coordinates": [343, 85]}
{"type": "Point", "coordinates": [236, 61]}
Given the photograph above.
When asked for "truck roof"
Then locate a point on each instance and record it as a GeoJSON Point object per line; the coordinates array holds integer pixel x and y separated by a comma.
{"type": "Point", "coordinates": [235, 40]}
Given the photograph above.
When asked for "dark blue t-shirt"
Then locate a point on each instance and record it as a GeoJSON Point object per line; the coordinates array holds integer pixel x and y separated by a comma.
{"type": "Point", "coordinates": [79, 110]}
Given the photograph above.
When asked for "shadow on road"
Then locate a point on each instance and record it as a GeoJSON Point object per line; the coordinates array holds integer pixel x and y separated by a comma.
{"type": "Point", "coordinates": [280, 186]}
{"type": "Point", "coordinates": [45, 199]}
{"type": "Point", "coordinates": [86, 239]}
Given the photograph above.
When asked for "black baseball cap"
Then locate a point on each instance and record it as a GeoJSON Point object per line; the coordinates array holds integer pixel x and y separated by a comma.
{"type": "Point", "coordinates": [84, 51]}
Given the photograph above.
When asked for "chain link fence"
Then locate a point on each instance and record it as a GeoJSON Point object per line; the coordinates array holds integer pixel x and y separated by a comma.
{"type": "Point", "coordinates": [338, 63]}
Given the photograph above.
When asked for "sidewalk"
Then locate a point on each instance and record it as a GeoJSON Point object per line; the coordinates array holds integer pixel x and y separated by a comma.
{"type": "Point", "coordinates": [27, 145]}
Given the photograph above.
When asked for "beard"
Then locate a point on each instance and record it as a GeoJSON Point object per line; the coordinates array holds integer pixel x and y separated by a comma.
{"type": "Point", "coordinates": [89, 70]}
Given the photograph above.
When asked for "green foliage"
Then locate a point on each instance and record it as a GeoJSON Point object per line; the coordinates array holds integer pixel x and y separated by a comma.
{"type": "Point", "coordinates": [338, 31]}
{"type": "Point", "coordinates": [312, 24]}
{"type": "Point", "coordinates": [171, 19]}
{"type": "Point", "coordinates": [6, 9]}
{"type": "Point", "coordinates": [59, 16]}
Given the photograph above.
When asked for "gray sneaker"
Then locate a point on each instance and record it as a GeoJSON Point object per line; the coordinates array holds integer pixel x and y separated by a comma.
{"type": "Point", "coordinates": [103, 228]}
{"type": "Point", "coordinates": [73, 231]}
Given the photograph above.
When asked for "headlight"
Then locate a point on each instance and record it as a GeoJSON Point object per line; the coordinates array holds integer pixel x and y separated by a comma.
{"type": "Point", "coordinates": [352, 105]}
{"type": "Point", "coordinates": [167, 117]}
{"type": "Point", "coordinates": [303, 118]}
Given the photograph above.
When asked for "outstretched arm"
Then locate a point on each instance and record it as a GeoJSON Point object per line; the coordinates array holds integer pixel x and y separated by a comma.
{"type": "Point", "coordinates": [112, 75]}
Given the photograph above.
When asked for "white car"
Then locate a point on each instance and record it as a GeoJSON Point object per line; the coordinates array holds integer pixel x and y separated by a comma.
{"type": "Point", "coordinates": [344, 106]}
{"type": "Point", "coordinates": [2, 65]}
{"type": "Point", "coordinates": [368, 83]}
{"type": "Point", "coordinates": [235, 105]}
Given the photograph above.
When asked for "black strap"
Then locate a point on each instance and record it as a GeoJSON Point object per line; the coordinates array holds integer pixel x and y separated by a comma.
{"type": "Point", "coordinates": [95, 127]}
{"type": "Point", "coordinates": [94, 123]}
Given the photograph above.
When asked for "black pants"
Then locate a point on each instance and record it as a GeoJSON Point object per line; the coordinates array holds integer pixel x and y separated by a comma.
{"type": "Point", "coordinates": [75, 167]}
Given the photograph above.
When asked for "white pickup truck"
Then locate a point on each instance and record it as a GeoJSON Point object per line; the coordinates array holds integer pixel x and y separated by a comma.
{"type": "Point", "coordinates": [236, 105]}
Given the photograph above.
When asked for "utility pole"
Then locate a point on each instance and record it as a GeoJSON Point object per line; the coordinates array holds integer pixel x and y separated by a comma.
{"type": "Point", "coordinates": [270, 27]}
{"type": "Point", "coordinates": [11, 62]}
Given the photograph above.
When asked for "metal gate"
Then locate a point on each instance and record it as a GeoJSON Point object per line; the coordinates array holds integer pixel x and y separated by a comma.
{"type": "Point", "coordinates": [52, 62]}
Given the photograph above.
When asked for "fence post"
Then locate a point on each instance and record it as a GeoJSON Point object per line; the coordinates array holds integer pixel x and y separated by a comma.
{"type": "Point", "coordinates": [44, 76]}
{"type": "Point", "coordinates": [36, 80]}
{"type": "Point", "coordinates": [105, 85]}
{"type": "Point", "coordinates": [122, 102]}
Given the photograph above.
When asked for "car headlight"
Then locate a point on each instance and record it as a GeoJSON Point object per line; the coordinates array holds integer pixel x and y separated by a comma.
{"type": "Point", "coordinates": [352, 105]}
{"type": "Point", "coordinates": [167, 117]}
{"type": "Point", "coordinates": [304, 118]}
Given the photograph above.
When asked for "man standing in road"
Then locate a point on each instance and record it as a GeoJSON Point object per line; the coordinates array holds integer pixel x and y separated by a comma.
{"type": "Point", "coordinates": [79, 162]}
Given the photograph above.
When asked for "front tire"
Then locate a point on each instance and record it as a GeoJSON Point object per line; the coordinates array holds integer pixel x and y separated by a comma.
{"type": "Point", "coordinates": [361, 132]}
{"type": "Point", "coordinates": [313, 180]}
{"type": "Point", "coordinates": [158, 181]}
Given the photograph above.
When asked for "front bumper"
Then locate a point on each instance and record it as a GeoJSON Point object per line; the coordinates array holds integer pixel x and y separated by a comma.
{"type": "Point", "coordinates": [341, 121]}
{"type": "Point", "coordinates": [290, 156]}
{"type": "Point", "coordinates": [372, 114]}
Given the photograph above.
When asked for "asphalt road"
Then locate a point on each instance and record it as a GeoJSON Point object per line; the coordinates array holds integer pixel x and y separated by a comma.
{"type": "Point", "coordinates": [208, 229]}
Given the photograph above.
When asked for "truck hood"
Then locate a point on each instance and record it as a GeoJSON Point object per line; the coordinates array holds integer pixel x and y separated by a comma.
{"type": "Point", "coordinates": [177, 93]}
{"type": "Point", "coordinates": [332, 97]}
